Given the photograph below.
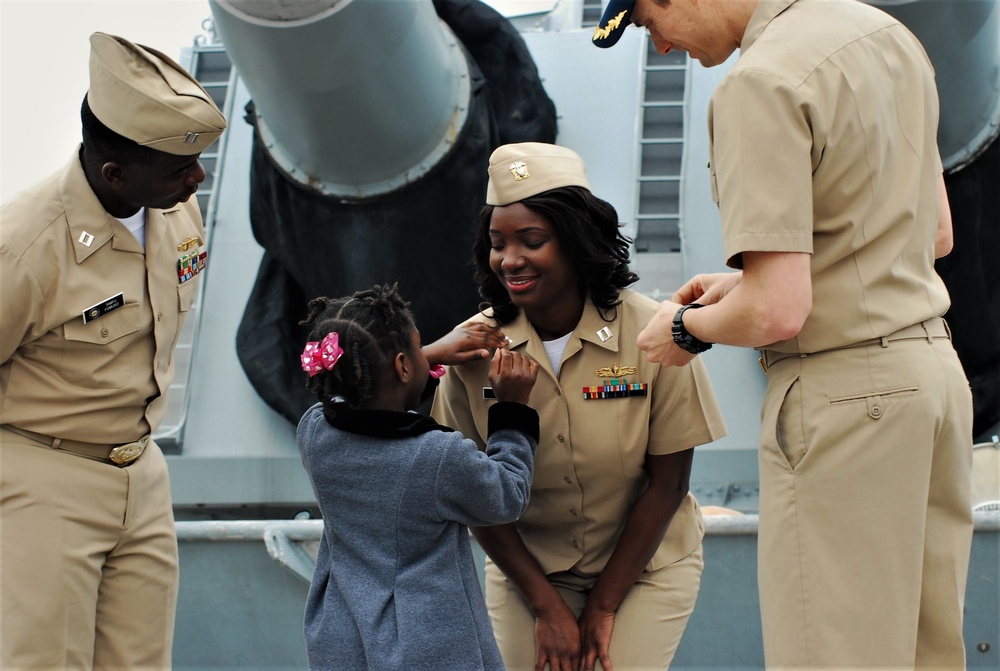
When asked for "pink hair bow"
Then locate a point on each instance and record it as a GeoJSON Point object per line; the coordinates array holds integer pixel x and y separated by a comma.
{"type": "Point", "coordinates": [437, 371]}
{"type": "Point", "coordinates": [320, 356]}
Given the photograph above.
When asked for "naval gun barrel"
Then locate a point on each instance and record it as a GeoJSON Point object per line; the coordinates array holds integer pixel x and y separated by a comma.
{"type": "Point", "coordinates": [962, 40]}
{"type": "Point", "coordinates": [352, 98]}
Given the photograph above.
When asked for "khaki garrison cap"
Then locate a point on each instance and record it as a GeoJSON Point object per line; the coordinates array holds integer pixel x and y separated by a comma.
{"type": "Point", "coordinates": [518, 171]}
{"type": "Point", "coordinates": [145, 96]}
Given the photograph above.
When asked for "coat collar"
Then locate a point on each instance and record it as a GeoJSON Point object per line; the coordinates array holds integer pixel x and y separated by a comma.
{"type": "Point", "coordinates": [592, 328]}
{"type": "Point", "coordinates": [765, 12]}
{"type": "Point", "coordinates": [380, 423]}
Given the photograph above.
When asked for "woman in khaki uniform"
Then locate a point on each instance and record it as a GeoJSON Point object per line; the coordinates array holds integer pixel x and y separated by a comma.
{"type": "Point", "coordinates": [605, 565]}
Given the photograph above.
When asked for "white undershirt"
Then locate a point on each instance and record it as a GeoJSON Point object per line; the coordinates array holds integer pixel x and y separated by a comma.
{"type": "Point", "coordinates": [554, 350]}
{"type": "Point", "coordinates": [137, 224]}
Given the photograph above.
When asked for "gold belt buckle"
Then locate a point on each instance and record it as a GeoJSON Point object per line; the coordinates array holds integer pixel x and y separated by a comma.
{"type": "Point", "coordinates": [129, 452]}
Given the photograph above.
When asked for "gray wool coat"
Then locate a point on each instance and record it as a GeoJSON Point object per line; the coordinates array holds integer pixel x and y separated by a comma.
{"type": "Point", "coordinates": [395, 584]}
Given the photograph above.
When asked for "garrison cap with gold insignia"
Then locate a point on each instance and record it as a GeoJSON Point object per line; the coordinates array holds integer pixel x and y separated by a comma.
{"type": "Point", "coordinates": [525, 169]}
{"type": "Point", "coordinates": [145, 96]}
{"type": "Point", "coordinates": [617, 17]}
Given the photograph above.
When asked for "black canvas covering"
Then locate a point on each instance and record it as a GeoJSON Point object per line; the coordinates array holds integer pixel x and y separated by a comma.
{"type": "Point", "coordinates": [972, 274]}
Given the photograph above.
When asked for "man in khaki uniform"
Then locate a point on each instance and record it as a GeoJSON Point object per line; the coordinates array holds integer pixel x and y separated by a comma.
{"type": "Point", "coordinates": [98, 265]}
{"type": "Point", "coordinates": [825, 166]}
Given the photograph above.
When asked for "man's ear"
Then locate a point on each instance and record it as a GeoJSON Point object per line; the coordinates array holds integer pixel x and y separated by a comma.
{"type": "Point", "coordinates": [113, 174]}
{"type": "Point", "coordinates": [402, 364]}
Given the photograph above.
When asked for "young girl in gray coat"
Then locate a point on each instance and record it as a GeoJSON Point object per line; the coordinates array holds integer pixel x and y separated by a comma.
{"type": "Point", "coordinates": [395, 585]}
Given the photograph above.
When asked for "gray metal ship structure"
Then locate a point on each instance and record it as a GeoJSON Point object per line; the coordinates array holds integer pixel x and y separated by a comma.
{"type": "Point", "coordinates": [356, 152]}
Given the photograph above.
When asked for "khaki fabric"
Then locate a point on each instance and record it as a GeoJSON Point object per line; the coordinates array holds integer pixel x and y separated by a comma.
{"type": "Point", "coordinates": [649, 623]}
{"type": "Point", "coordinates": [104, 381]}
{"type": "Point", "coordinates": [589, 467]}
{"type": "Point", "coordinates": [824, 140]}
{"type": "Point", "coordinates": [88, 556]}
{"type": "Point", "coordinates": [52, 569]}
{"type": "Point", "coordinates": [519, 171]}
{"type": "Point", "coordinates": [865, 511]}
{"type": "Point", "coordinates": [145, 96]}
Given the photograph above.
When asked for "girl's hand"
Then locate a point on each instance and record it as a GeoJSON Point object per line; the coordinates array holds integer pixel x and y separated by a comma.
{"type": "Point", "coordinates": [512, 376]}
{"type": "Point", "coordinates": [470, 341]}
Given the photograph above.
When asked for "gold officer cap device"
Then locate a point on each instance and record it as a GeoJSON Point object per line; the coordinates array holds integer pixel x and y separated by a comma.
{"type": "Point", "coordinates": [145, 96]}
{"type": "Point", "coordinates": [525, 169]}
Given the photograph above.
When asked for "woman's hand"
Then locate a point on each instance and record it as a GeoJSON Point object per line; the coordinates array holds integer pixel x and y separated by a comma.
{"type": "Point", "coordinates": [557, 639]}
{"type": "Point", "coordinates": [470, 341]}
{"type": "Point", "coordinates": [595, 637]}
{"type": "Point", "coordinates": [512, 376]}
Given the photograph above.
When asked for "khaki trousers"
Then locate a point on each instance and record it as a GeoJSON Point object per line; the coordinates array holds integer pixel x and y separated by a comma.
{"type": "Point", "coordinates": [88, 560]}
{"type": "Point", "coordinates": [865, 514]}
{"type": "Point", "coordinates": [648, 625]}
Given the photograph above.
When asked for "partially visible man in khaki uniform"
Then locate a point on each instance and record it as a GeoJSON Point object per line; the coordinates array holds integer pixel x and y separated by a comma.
{"type": "Point", "coordinates": [98, 265]}
{"type": "Point", "coordinates": [825, 166]}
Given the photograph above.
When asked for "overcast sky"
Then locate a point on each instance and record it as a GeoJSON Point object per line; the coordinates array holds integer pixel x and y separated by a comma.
{"type": "Point", "coordinates": [44, 50]}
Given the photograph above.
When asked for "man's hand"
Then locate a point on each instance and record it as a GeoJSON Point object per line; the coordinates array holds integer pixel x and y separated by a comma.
{"type": "Point", "coordinates": [657, 341]}
{"type": "Point", "coordinates": [707, 289]}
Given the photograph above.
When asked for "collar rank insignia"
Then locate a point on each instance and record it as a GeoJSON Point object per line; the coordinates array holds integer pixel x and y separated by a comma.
{"type": "Point", "coordinates": [520, 171]}
{"type": "Point", "coordinates": [615, 385]}
{"type": "Point", "coordinates": [192, 260]}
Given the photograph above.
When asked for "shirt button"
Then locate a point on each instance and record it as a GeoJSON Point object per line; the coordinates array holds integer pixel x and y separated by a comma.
{"type": "Point", "coordinates": [159, 317]}
{"type": "Point", "coordinates": [104, 333]}
{"type": "Point", "coordinates": [562, 438]}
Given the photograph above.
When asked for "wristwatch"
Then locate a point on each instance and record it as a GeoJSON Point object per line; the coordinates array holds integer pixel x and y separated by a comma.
{"type": "Point", "coordinates": [685, 340]}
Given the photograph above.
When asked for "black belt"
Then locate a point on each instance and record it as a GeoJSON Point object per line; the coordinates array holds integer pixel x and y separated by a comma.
{"type": "Point", "coordinates": [930, 330]}
{"type": "Point", "coordinates": [119, 455]}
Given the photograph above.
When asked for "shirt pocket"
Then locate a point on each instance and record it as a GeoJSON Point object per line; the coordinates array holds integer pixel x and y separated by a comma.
{"type": "Point", "coordinates": [90, 352]}
{"type": "Point", "coordinates": [186, 293]}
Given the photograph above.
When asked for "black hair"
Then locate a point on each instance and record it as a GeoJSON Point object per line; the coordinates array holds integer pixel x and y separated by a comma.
{"type": "Point", "coordinates": [373, 326]}
{"type": "Point", "coordinates": [589, 232]}
{"type": "Point", "coordinates": [101, 144]}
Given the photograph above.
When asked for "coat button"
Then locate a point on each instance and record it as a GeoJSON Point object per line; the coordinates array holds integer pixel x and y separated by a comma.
{"type": "Point", "coordinates": [562, 438]}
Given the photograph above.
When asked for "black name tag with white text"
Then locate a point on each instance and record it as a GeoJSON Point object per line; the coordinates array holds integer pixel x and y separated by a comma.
{"type": "Point", "coordinates": [103, 308]}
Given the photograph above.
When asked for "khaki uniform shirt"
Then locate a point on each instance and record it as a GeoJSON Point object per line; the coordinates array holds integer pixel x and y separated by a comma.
{"type": "Point", "coordinates": [103, 381]}
{"type": "Point", "coordinates": [589, 467]}
{"type": "Point", "coordinates": [814, 150]}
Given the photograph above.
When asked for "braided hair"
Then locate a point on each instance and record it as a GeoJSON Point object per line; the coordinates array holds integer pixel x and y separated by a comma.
{"type": "Point", "coordinates": [588, 231]}
{"type": "Point", "coordinates": [373, 326]}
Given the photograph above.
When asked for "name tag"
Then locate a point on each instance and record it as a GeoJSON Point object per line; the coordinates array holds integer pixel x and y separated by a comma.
{"type": "Point", "coordinates": [103, 308]}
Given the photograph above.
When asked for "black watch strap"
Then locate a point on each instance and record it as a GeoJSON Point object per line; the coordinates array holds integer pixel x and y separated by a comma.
{"type": "Point", "coordinates": [685, 340]}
